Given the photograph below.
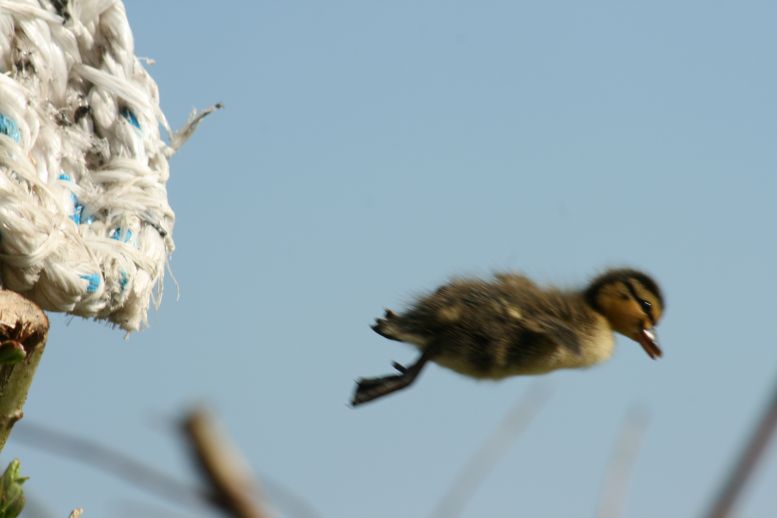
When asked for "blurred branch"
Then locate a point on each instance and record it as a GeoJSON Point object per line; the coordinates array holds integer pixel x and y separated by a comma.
{"type": "Point", "coordinates": [493, 448]}
{"type": "Point", "coordinates": [139, 475]}
{"type": "Point", "coordinates": [748, 459]}
{"type": "Point", "coordinates": [111, 461]}
{"type": "Point", "coordinates": [614, 487]}
{"type": "Point", "coordinates": [221, 465]}
{"type": "Point", "coordinates": [23, 331]}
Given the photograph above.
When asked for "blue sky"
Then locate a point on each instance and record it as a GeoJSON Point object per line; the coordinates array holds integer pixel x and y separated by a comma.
{"type": "Point", "coordinates": [367, 152]}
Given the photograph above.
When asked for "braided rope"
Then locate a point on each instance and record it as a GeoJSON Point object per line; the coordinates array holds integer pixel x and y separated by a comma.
{"type": "Point", "coordinates": [85, 226]}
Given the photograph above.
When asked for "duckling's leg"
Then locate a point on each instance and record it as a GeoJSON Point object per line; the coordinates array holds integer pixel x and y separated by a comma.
{"type": "Point", "coordinates": [368, 389]}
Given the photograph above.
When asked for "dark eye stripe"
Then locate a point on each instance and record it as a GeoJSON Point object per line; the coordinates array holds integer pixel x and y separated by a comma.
{"type": "Point", "coordinates": [645, 306]}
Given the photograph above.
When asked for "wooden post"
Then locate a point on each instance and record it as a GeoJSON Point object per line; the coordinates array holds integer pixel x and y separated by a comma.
{"type": "Point", "coordinates": [24, 328]}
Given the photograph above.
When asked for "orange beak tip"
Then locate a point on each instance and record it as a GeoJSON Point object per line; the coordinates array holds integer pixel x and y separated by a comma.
{"type": "Point", "coordinates": [649, 342]}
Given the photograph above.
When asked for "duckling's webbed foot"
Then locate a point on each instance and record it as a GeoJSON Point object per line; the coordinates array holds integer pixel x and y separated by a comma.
{"type": "Point", "coordinates": [368, 389]}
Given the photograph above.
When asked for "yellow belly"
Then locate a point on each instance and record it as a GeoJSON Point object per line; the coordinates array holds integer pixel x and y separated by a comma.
{"type": "Point", "coordinates": [594, 349]}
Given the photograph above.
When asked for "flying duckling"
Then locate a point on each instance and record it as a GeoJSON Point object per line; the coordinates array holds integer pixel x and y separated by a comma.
{"type": "Point", "coordinates": [506, 326]}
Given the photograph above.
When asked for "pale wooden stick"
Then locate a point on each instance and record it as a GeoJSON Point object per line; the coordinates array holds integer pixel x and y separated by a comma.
{"type": "Point", "coordinates": [222, 466]}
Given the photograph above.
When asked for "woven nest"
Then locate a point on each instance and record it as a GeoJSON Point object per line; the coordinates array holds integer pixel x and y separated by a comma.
{"type": "Point", "coordinates": [85, 225]}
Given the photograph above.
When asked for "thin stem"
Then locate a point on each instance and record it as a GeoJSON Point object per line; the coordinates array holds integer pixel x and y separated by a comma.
{"type": "Point", "coordinates": [114, 462]}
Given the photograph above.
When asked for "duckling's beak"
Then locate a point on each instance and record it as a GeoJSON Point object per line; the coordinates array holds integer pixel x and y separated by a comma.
{"type": "Point", "coordinates": [649, 341]}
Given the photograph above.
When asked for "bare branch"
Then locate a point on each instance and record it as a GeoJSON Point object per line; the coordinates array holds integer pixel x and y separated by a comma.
{"type": "Point", "coordinates": [144, 477]}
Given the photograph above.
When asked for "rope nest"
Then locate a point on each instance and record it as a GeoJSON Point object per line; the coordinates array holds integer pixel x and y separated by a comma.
{"type": "Point", "coordinates": [85, 225]}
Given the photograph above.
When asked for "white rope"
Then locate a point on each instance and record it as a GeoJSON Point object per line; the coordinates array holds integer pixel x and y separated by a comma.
{"type": "Point", "coordinates": [85, 226]}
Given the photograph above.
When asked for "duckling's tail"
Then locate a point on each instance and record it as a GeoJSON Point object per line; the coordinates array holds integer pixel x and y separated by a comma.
{"type": "Point", "coordinates": [386, 327]}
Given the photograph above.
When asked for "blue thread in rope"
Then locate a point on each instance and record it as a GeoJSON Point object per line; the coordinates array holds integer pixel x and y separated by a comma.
{"type": "Point", "coordinates": [116, 234]}
{"type": "Point", "coordinates": [8, 126]}
{"type": "Point", "coordinates": [78, 208]}
{"type": "Point", "coordinates": [130, 116]}
{"type": "Point", "coordinates": [94, 281]}
{"type": "Point", "coordinates": [123, 279]}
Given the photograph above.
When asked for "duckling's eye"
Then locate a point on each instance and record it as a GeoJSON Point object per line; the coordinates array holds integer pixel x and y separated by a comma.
{"type": "Point", "coordinates": [646, 306]}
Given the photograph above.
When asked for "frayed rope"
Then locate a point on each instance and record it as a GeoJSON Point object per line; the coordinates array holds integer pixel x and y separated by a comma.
{"type": "Point", "coordinates": [85, 225]}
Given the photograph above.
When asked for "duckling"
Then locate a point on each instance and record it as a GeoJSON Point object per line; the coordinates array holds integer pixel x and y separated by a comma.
{"type": "Point", "coordinates": [506, 326]}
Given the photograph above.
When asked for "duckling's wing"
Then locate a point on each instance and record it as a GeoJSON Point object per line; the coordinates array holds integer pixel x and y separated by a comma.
{"type": "Point", "coordinates": [543, 312]}
{"type": "Point", "coordinates": [555, 329]}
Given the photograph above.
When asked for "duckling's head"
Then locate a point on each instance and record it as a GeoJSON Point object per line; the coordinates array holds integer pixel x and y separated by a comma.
{"type": "Point", "coordinates": [631, 302]}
